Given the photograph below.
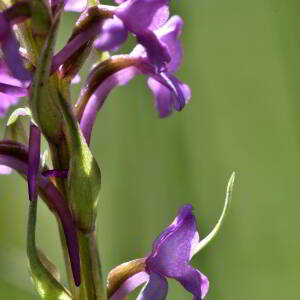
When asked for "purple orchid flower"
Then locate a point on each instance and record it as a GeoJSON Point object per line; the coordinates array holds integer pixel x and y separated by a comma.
{"type": "Point", "coordinates": [168, 91]}
{"type": "Point", "coordinates": [171, 252]}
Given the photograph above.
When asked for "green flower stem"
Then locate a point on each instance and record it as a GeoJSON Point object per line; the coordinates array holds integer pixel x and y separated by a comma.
{"type": "Point", "coordinates": [91, 287]}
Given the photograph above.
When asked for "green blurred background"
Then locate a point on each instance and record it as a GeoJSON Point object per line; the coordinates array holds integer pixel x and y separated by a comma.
{"type": "Point", "coordinates": [242, 61]}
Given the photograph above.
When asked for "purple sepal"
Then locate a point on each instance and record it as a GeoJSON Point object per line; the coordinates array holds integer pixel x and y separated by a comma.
{"type": "Point", "coordinates": [33, 161]}
{"type": "Point", "coordinates": [113, 33]}
{"type": "Point", "coordinates": [10, 48]}
{"type": "Point", "coordinates": [155, 289]}
{"type": "Point", "coordinates": [140, 15]}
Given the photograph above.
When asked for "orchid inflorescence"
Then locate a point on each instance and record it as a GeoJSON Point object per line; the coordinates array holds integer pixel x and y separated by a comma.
{"type": "Point", "coordinates": [29, 67]}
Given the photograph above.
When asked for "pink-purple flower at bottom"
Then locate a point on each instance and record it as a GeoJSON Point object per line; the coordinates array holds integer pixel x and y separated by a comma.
{"type": "Point", "coordinates": [171, 252]}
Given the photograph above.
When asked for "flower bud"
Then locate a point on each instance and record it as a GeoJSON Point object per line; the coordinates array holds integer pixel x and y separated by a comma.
{"type": "Point", "coordinates": [84, 177]}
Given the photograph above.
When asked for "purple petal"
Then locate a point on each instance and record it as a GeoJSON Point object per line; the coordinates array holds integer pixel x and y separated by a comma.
{"type": "Point", "coordinates": [171, 250]}
{"type": "Point", "coordinates": [166, 98]}
{"type": "Point", "coordinates": [33, 161]}
{"type": "Point", "coordinates": [194, 244]}
{"type": "Point", "coordinates": [157, 51]}
{"type": "Point", "coordinates": [194, 282]}
{"type": "Point", "coordinates": [97, 99]}
{"type": "Point", "coordinates": [10, 47]}
{"type": "Point", "coordinates": [140, 15]}
{"type": "Point", "coordinates": [129, 285]}
{"type": "Point", "coordinates": [113, 33]}
{"type": "Point", "coordinates": [162, 96]}
{"type": "Point", "coordinates": [76, 5]}
{"type": "Point", "coordinates": [169, 34]}
{"type": "Point", "coordinates": [155, 289]}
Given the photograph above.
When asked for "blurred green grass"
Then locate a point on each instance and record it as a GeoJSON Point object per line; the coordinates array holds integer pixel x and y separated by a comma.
{"type": "Point", "coordinates": [242, 61]}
